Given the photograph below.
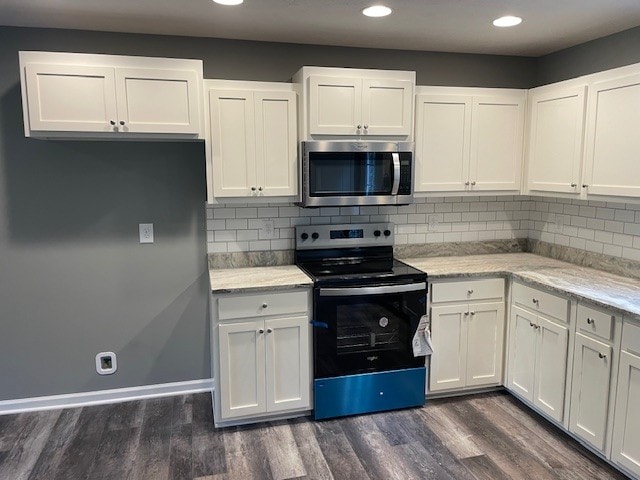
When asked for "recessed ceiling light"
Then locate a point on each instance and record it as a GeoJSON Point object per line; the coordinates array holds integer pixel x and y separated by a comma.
{"type": "Point", "coordinates": [229, 2]}
{"type": "Point", "coordinates": [376, 11]}
{"type": "Point", "coordinates": [507, 21]}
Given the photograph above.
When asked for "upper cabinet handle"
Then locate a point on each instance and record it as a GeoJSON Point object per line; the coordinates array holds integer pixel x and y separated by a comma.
{"type": "Point", "coordinates": [574, 185]}
{"type": "Point", "coordinates": [602, 355]}
{"type": "Point", "coordinates": [366, 126]}
{"type": "Point", "coordinates": [260, 188]}
{"type": "Point", "coordinates": [122, 122]}
{"type": "Point", "coordinates": [591, 321]}
{"type": "Point", "coordinates": [536, 301]}
{"type": "Point", "coordinates": [473, 183]}
{"type": "Point", "coordinates": [112, 122]}
{"type": "Point", "coordinates": [584, 185]}
{"type": "Point", "coordinates": [469, 292]}
{"type": "Point", "coordinates": [466, 184]}
{"type": "Point", "coordinates": [359, 127]}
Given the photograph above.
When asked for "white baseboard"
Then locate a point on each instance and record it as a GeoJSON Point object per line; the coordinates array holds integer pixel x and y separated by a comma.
{"type": "Point", "coordinates": [99, 397]}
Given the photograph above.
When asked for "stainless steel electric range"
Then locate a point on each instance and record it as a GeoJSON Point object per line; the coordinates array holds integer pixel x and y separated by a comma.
{"type": "Point", "coordinates": [366, 309]}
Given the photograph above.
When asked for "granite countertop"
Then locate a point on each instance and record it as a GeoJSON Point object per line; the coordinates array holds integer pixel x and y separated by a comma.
{"type": "Point", "coordinates": [601, 288]}
{"type": "Point", "coordinates": [257, 278]}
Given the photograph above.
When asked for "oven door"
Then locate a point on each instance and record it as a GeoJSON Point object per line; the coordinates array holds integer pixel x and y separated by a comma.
{"type": "Point", "coordinates": [366, 329]}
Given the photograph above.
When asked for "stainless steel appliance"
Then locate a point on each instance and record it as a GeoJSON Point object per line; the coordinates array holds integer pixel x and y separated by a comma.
{"type": "Point", "coordinates": [356, 173]}
{"type": "Point", "coordinates": [366, 309]}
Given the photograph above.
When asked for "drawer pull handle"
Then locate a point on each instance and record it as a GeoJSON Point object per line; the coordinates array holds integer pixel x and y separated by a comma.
{"type": "Point", "coordinates": [264, 305]}
{"type": "Point", "coordinates": [591, 321]}
{"type": "Point", "coordinates": [602, 355]}
{"type": "Point", "coordinates": [269, 330]}
{"type": "Point", "coordinates": [536, 301]}
{"type": "Point", "coordinates": [469, 292]}
{"type": "Point", "coordinates": [261, 331]}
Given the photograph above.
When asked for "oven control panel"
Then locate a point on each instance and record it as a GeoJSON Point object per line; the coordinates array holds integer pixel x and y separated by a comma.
{"type": "Point", "coordinates": [346, 235]}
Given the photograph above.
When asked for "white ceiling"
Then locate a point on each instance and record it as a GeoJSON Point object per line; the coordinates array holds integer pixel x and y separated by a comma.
{"type": "Point", "coordinates": [431, 25]}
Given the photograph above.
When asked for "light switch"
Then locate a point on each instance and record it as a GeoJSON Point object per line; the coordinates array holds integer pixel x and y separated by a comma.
{"type": "Point", "coordinates": [146, 232]}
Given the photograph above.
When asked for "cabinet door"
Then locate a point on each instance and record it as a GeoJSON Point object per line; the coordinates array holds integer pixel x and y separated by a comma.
{"type": "Point", "coordinates": [157, 101]}
{"type": "Point", "coordinates": [590, 390]}
{"type": "Point", "coordinates": [551, 367]}
{"type": "Point", "coordinates": [233, 142]}
{"type": "Point", "coordinates": [613, 143]}
{"type": "Point", "coordinates": [288, 364]}
{"type": "Point", "coordinates": [387, 107]}
{"type": "Point", "coordinates": [335, 105]}
{"type": "Point", "coordinates": [449, 337]}
{"type": "Point", "coordinates": [242, 369]}
{"type": "Point", "coordinates": [276, 143]}
{"type": "Point", "coordinates": [522, 352]}
{"type": "Point", "coordinates": [555, 140]}
{"type": "Point", "coordinates": [626, 426]}
{"type": "Point", "coordinates": [443, 138]}
{"type": "Point", "coordinates": [497, 138]}
{"type": "Point", "coordinates": [71, 98]}
{"type": "Point", "coordinates": [485, 339]}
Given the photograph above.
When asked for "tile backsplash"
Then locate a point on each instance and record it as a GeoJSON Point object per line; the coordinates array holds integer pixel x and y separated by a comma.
{"type": "Point", "coordinates": [600, 227]}
{"type": "Point", "coordinates": [241, 228]}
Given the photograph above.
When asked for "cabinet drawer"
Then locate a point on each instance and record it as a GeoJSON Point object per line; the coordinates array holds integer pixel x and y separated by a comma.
{"type": "Point", "coordinates": [468, 290]}
{"type": "Point", "coordinates": [541, 302]}
{"type": "Point", "coordinates": [595, 322]}
{"type": "Point", "coordinates": [262, 304]}
{"type": "Point", "coordinates": [631, 338]}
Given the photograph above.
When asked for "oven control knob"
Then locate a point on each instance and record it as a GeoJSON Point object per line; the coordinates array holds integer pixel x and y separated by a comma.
{"type": "Point", "coordinates": [315, 235]}
{"type": "Point", "coordinates": [304, 236]}
{"type": "Point", "coordinates": [377, 233]}
{"type": "Point", "coordinates": [387, 233]}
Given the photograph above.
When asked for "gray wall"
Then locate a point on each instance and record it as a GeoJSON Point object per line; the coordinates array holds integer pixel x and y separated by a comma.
{"type": "Point", "coordinates": [74, 280]}
{"type": "Point", "coordinates": [613, 51]}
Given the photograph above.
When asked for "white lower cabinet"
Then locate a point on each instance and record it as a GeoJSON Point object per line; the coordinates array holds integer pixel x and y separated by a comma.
{"type": "Point", "coordinates": [538, 352]}
{"type": "Point", "coordinates": [262, 364]}
{"type": "Point", "coordinates": [626, 428]}
{"type": "Point", "coordinates": [467, 336]}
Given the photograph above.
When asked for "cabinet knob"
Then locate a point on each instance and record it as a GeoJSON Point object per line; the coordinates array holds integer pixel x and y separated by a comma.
{"type": "Point", "coordinates": [261, 331]}
{"type": "Point", "coordinates": [260, 188]}
{"type": "Point", "coordinates": [602, 355]}
{"type": "Point", "coordinates": [531, 324]}
{"type": "Point", "coordinates": [585, 185]}
{"type": "Point", "coordinates": [253, 189]}
{"type": "Point", "coordinates": [574, 185]}
{"type": "Point", "coordinates": [112, 122]}
{"type": "Point", "coordinates": [466, 184]}
{"type": "Point", "coordinates": [473, 184]}
{"type": "Point", "coordinates": [269, 330]}
{"type": "Point", "coordinates": [359, 127]}
{"type": "Point", "coordinates": [366, 126]}
{"type": "Point", "coordinates": [591, 321]}
{"type": "Point", "coordinates": [264, 305]}
{"type": "Point", "coordinates": [473, 313]}
{"type": "Point", "coordinates": [122, 122]}
{"type": "Point", "coordinates": [536, 301]}
{"type": "Point", "coordinates": [466, 314]}
{"type": "Point", "coordinates": [469, 292]}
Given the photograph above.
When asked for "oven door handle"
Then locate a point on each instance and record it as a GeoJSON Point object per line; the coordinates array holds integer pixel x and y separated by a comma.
{"type": "Point", "coordinates": [351, 292]}
{"type": "Point", "coordinates": [396, 173]}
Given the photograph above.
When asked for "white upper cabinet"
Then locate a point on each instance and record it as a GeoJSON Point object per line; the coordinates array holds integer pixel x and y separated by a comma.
{"type": "Point", "coordinates": [556, 135]}
{"type": "Point", "coordinates": [613, 143]}
{"type": "Point", "coordinates": [252, 140]}
{"type": "Point", "coordinates": [346, 102]}
{"type": "Point", "coordinates": [68, 95]}
{"type": "Point", "coordinates": [469, 139]}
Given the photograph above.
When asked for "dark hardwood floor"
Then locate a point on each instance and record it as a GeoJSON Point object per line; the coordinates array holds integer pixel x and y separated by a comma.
{"type": "Point", "coordinates": [489, 436]}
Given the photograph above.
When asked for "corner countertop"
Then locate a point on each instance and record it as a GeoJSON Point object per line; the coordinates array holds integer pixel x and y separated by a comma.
{"type": "Point", "coordinates": [600, 288]}
{"type": "Point", "coordinates": [238, 280]}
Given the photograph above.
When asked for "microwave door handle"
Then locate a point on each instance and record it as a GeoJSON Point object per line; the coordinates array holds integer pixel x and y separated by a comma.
{"type": "Point", "coordinates": [396, 173]}
{"type": "Point", "coordinates": [353, 291]}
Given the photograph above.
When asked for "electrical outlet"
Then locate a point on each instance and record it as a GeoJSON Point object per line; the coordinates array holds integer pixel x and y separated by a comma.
{"type": "Point", "coordinates": [146, 232]}
{"type": "Point", "coordinates": [267, 230]}
{"type": "Point", "coordinates": [106, 363]}
{"type": "Point", "coordinates": [432, 222]}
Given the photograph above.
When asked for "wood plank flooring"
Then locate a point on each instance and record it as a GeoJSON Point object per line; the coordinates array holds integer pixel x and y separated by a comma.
{"type": "Point", "coordinates": [488, 436]}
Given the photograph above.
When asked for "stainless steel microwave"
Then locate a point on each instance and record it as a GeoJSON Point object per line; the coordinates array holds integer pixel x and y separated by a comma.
{"type": "Point", "coordinates": [347, 173]}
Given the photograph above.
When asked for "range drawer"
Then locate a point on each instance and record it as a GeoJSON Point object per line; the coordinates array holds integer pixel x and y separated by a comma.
{"type": "Point", "coordinates": [631, 338]}
{"type": "Point", "coordinates": [468, 290]}
{"type": "Point", "coordinates": [541, 302]}
{"type": "Point", "coordinates": [595, 322]}
{"type": "Point", "coordinates": [262, 304]}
